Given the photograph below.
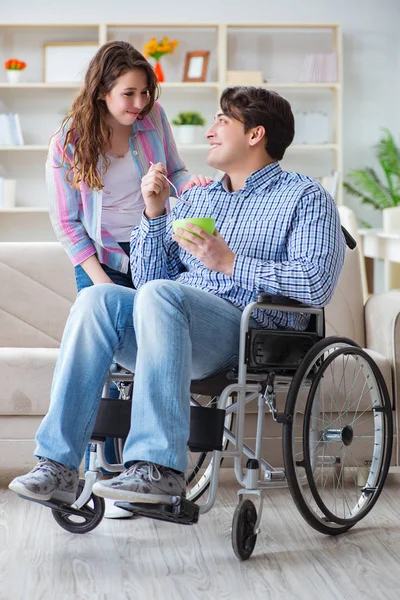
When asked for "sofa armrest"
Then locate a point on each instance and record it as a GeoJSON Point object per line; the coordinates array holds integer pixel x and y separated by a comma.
{"type": "Point", "coordinates": [382, 330]}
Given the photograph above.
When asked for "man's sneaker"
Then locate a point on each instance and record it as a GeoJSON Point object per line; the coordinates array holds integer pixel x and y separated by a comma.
{"type": "Point", "coordinates": [49, 480]}
{"type": "Point", "coordinates": [143, 482]}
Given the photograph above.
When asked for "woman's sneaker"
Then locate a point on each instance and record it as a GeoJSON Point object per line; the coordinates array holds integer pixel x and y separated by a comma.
{"type": "Point", "coordinates": [49, 480]}
{"type": "Point", "coordinates": [143, 482]}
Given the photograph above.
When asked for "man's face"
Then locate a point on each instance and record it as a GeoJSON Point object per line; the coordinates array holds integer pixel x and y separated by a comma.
{"type": "Point", "coordinates": [229, 143]}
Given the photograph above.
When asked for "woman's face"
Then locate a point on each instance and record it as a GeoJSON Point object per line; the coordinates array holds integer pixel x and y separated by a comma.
{"type": "Point", "coordinates": [128, 97]}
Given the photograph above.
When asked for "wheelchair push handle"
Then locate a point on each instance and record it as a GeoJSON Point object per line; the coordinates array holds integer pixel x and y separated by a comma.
{"type": "Point", "coordinates": [350, 241]}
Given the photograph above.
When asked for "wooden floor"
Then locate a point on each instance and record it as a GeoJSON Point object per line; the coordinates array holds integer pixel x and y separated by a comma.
{"type": "Point", "coordinates": [144, 559]}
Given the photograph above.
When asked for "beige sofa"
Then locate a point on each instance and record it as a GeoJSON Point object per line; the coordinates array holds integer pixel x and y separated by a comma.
{"type": "Point", "coordinates": [37, 289]}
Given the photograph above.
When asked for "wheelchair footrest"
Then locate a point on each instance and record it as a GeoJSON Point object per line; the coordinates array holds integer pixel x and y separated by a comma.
{"type": "Point", "coordinates": [61, 507]}
{"type": "Point", "coordinates": [184, 512]}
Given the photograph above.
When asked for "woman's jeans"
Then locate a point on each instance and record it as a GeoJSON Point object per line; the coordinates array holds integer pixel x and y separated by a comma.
{"type": "Point", "coordinates": [167, 334]}
{"type": "Point", "coordinates": [83, 281]}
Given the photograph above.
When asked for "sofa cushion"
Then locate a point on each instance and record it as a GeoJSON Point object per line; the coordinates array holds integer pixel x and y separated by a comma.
{"type": "Point", "coordinates": [344, 315]}
{"type": "Point", "coordinates": [26, 375]}
{"type": "Point", "coordinates": [38, 288]}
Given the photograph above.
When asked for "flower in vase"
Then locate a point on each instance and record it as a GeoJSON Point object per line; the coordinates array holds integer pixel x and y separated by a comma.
{"type": "Point", "coordinates": [13, 64]}
{"type": "Point", "coordinates": [157, 49]}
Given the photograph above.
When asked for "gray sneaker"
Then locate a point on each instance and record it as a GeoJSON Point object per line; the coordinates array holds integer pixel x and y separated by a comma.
{"type": "Point", "coordinates": [49, 480]}
{"type": "Point", "coordinates": [143, 482]}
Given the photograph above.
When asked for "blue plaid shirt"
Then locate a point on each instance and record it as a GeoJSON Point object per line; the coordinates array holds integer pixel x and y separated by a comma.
{"type": "Point", "coordinates": [283, 227]}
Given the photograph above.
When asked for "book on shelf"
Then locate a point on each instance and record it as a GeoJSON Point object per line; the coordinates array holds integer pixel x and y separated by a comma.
{"type": "Point", "coordinates": [10, 130]}
{"type": "Point", "coordinates": [319, 68]}
{"type": "Point", "coordinates": [7, 193]}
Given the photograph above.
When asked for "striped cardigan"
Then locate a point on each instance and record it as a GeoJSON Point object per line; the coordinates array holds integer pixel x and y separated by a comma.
{"type": "Point", "coordinates": [76, 214]}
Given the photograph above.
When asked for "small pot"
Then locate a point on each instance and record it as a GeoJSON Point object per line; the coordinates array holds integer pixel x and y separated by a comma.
{"type": "Point", "coordinates": [13, 75]}
{"type": "Point", "coordinates": [186, 134]}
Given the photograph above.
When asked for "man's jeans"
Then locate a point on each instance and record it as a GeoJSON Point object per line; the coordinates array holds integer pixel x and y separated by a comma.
{"type": "Point", "coordinates": [167, 334]}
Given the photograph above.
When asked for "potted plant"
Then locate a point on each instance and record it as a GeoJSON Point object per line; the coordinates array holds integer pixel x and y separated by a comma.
{"type": "Point", "coordinates": [13, 68]}
{"type": "Point", "coordinates": [187, 126]}
{"type": "Point", "coordinates": [380, 191]}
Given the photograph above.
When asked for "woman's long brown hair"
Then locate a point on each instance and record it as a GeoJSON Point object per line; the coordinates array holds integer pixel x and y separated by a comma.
{"type": "Point", "coordinates": [86, 124]}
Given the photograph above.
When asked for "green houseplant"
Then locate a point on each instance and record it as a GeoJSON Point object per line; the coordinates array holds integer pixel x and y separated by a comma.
{"type": "Point", "coordinates": [187, 124]}
{"type": "Point", "coordinates": [379, 191]}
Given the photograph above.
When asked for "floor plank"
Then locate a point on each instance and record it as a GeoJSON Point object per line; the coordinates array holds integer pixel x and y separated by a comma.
{"type": "Point", "coordinates": [140, 558]}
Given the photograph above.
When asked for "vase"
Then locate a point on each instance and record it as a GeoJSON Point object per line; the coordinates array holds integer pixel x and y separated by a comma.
{"type": "Point", "coordinates": [158, 70]}
{"type": "Point", "coordinates": [13, 75]}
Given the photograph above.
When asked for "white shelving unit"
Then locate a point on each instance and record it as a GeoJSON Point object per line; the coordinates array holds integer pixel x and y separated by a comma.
{"type": "Point", "coordinates": [275, 49]}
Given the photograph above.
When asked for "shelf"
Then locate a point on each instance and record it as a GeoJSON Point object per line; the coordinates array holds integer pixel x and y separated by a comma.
{"type": "Point", "coordinates": [25, 148]}
{"type": "Point", "coordinates": [301, 85]}
{"type": "Point", "coordinates": [282, 25]}
{"type": "Point", "coordinates": [39, 86]}
{"type": "Point", "coordinates": [44, 147]}
{"type": "Point", "coordinates": [183, 84]}
{"type": "Point", "coordinates": [25, 209]}
{"type": "Point", "coordinates": [192, 147]}
{"type": "Point", "coordinates": [41, 106]}
{"type": "Point", "coordinates": [313, 147]}
{"type": "Point", "coordinates": [75, 86]}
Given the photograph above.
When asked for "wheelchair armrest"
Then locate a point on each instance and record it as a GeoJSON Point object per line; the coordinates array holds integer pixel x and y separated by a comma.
{"type": "Point", "coordinates": [264, 298]}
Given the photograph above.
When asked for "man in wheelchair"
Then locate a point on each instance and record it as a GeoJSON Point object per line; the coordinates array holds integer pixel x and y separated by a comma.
{"type": "Point", "coordinates": [276, 232]}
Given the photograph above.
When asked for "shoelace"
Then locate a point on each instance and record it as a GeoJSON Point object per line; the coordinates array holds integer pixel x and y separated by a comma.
{"type": "Point", "coordinates": [47, 465]}
{"type": "Point", "coordinates": [145, 469]}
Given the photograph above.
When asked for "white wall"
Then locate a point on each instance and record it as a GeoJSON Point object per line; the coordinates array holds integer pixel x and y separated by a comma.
{"type": "Point", "coordinates": [371, 32]}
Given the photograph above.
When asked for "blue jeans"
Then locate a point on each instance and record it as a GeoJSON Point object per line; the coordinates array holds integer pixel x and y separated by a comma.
{"type": "Point", "coordinates": [167, 334]}
{"type": "Point", "coordinates": [83, 281]}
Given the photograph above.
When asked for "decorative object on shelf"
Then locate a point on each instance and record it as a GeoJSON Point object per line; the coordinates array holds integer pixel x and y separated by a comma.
{"type": "Point", "coordinates": [244, 77]}
{"type": "Point", "coordinates": [157, 49]}
{"type": "Point", "coordinates": [319, 68]}
{"type": "Point", "coordinates": [312, 127]}
{"type": "Point", "coordinates": [369, 187]}
{"type": "Point", "coordinates": [13, 68]}
{"type": "Point", "coordinates": [10, 130]}
{"type": "Point", "coordinates": [67, 63]}
{"type": "Point", "coordinates": [7, 193]}
{"type": "Point", "coordinates": [186, 127]}
{"type": "Point", "coordinates": [196, 64]}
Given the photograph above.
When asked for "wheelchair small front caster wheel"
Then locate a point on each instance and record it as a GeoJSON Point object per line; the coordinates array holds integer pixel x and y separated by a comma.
{"type": "Point", "coordinates": [84, 519]}
{"type": "Point", "coordinates": [243, 536]}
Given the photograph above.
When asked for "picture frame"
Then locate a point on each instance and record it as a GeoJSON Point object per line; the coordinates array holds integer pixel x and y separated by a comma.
{"type": "Point", "coordinates": [73, 57]}
{"type": "Point", "coordinates": [196, 64]}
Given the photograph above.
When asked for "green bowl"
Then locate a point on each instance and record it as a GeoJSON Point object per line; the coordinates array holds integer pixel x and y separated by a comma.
{"type": "Point", "coordinates": [205, 223]}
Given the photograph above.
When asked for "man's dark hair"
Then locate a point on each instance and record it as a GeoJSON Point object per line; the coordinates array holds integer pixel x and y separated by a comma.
{"type": "Point", "coordinates": [255, 106]}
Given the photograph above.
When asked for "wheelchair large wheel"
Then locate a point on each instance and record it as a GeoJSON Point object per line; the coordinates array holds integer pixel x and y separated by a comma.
{"type": "Point", "coordinates": [337, 445]}
{"type": "Point", "coordinates": [200, 464]}
{"type": "Point", "coordinates": [92, 514]}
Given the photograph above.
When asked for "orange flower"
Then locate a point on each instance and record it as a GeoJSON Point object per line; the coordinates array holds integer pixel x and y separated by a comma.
{"type": "Point", "coordinates": [156, 49]}
{"type": "Point", "coordinates": [13, 64]}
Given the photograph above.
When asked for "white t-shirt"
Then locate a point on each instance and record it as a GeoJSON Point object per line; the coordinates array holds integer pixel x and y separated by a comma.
{"type": "Point", "coordinates": [122, 198]}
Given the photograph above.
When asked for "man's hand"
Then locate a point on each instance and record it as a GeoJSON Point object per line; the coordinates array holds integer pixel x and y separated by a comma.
{"type": "Point", "coordinates": [211, 250]}
{"type": "Point", "coordinates": [201, 180]}
{"type": "Point", "coordinates": [155, 191]}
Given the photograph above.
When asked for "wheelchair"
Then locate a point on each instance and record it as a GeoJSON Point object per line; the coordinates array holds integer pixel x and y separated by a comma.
{"type": "Point", "coordinates": [336, 432]}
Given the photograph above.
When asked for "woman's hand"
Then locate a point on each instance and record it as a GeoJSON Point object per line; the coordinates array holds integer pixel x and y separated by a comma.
{"type": "Point", "coordinates": [155, 191]}
{"type": "Point", "coordinates": [201, 180]}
